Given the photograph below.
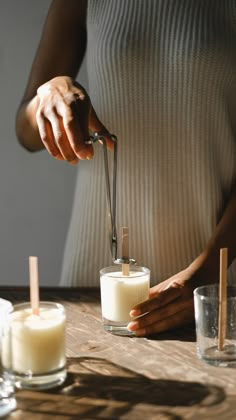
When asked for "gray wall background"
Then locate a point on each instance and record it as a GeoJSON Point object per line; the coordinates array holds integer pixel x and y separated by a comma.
{"type": "Point", "coordinates": [36, 191]}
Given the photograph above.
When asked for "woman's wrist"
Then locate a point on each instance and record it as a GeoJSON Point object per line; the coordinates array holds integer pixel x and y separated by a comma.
{"type": "Point", "coordinates": [204, 269]}
{"type": "Point", "coordinates": [26, 125]}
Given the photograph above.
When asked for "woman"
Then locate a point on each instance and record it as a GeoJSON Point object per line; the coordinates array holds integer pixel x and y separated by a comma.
{"type": "Point", "coordinates": [161, 76]}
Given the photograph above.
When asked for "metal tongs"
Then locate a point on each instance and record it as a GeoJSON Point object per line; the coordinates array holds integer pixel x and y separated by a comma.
{"type": "Point", "coordinates": [111, 195]}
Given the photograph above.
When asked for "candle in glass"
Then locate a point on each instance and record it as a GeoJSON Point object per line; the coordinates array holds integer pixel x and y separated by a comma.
{"type": "Point", "coordinates": [119, 294]}
{"type": "Point", "coordinates": [34, 350]}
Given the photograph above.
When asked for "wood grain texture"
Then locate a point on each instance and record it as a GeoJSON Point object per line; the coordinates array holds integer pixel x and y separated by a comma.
{"type": "Point", "coordinates": [111, 377]}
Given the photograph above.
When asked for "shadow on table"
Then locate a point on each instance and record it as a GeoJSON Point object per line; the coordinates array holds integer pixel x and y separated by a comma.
{"type": "Point", "coordinates": [102, 389]}
{"type": "Point", "coordinates": [187, 333]}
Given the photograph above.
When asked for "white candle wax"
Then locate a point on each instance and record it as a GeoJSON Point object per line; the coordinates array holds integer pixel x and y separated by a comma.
{"type": "Point", "coordinates": [35, 344]}
{"type": "Point", "coordinates": [119, 294]}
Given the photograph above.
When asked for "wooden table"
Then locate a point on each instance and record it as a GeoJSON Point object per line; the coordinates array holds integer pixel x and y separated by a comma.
{"type": "Point", "coordinates": [111, 377]}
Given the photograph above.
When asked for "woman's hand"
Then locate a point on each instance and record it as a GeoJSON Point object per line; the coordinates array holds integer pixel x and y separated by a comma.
{"type": "Point", "coordinates": [170, 306]}
{"type": "Point", "coordinates": [64, 117]}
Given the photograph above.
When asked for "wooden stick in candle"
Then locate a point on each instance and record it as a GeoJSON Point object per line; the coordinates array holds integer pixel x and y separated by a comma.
{"type": "Point", "coordinates": [222, 298]}
{"type": "Point", "coordinates": [125, 250]}
{"type": "Point", "coordinates": [34, 285]}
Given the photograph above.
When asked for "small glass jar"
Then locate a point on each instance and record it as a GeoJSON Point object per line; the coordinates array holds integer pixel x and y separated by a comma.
{"type": "Point", "coordinates": [7, 390]}
{"type": "Point", "coordinates": [119, 294]}
{"type": "Point", "coordinates": [34, 350]}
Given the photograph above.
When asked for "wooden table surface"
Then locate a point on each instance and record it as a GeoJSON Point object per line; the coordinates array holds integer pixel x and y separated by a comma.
{"type": "Point", "coordinates": [112, 377]}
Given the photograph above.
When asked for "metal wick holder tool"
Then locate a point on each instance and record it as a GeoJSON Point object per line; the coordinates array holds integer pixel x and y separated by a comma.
{"type": "Point", "coordinates": [111, 195]}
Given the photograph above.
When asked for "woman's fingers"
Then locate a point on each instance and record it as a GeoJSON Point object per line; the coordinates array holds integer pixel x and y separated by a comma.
{"type": "Point", "coordinates": [62, 130]}
{"type": "Point", "coordinates": [64, 117]}
{"type": "Point", "coordinates": [53, 135]}
{"type": "Point", "coordinates": [47, 137]}
{"type": "Point", "coordinates": [168, 309]}
{"type": "Point", "coordinates": [157, 301]}
{"type": "Point", "coordinates": [75, 135]}
{"type": "Point", "coordinates": [60, 133]}
{"type": "Point", "coordinates": [162, 313]}
{"type": "Point", "coordinates": [62, 141]}
{"type": "Point", "coordinates": [96, 126]}
{"type": "Point", "coordinates": [178, 319]}
{"type": "Point", "coordinates": [89, 120]}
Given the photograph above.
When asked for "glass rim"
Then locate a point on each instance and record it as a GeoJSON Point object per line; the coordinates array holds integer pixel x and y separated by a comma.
{"type": "Point", "coordinates": [5, 305]}
{"type": "Point", "coordinates": [27, 304]}
{"type": "Point", "coordinates": [197, 292]}
{"type": "Point", "coordinates": [105, 271]}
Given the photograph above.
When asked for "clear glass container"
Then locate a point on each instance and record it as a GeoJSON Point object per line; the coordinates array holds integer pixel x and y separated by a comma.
{"type": "Point", "coordinates": [119, 294]}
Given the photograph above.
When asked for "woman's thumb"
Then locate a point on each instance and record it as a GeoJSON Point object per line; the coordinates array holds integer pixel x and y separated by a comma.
{"type": "Point", "coordinates": [96, 126]}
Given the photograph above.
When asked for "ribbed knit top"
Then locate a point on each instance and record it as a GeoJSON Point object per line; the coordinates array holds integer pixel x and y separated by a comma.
{"type": "Point", "coordinates": [162, 78]}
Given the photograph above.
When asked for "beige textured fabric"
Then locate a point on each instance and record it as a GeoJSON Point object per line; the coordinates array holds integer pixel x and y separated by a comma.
{"type": "Point", "coordinates": [162, 78]}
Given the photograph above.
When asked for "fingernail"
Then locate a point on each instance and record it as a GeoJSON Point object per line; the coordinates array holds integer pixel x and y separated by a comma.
{"type": "Point", "coordinates": [89, 156]}
{"type": "Point", "coordinates": [135, 312]}
{"type": "Point", "coordinates": [140, 333]}
{"type": "Point", "coordinates": [84, 154]}
{"type": "Point", "coordinates": [59, 157]}
{"type": "Point", "coordinates": [132, 326]}
{"type": "Point", "coordinates": [73, 162]}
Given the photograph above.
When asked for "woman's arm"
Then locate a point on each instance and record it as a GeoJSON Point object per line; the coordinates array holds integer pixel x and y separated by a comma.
{"type": "Point", "coordinates": [56, 112]}
{"type": "Point", "coordinates": [60, 52]}
{"type": "Point", "coordinates": [171, 302]}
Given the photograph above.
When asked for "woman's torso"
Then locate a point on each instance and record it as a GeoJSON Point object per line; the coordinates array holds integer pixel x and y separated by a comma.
{"type": "Point", "coordinates": [161, 76]}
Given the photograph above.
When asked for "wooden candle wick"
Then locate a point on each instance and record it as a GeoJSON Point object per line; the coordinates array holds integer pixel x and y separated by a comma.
{"type": "Point", "coordinates": [34, 285]}
{"type": "Point", "coordinates": [222, 298]}
{"type": "Point", "coordinates": [125, 250]}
